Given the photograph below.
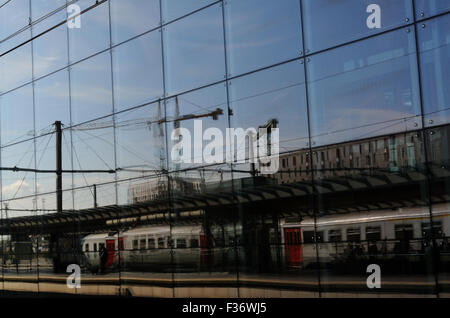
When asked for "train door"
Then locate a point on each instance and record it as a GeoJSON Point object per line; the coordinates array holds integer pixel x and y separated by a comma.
{"type": "Point", "coordinates": [293, 247]}
{"type": "Point", "coordinates": [111, 250]}
{"type": "Point", "coordinates": [207, 252]}
{"type": "Point", "coordinates": [121, 249]}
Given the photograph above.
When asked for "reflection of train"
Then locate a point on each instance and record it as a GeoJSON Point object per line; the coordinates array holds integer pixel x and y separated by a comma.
{"type": "Point", "coordinates": [365, 233]}
{"type": "Point", "coordinates": [150, 248]}
{"type": "Point", "coordinates": [382, 234]}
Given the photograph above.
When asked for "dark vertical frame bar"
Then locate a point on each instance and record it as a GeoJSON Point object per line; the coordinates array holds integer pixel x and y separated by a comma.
{"type": "Point", "coordinates": [427, 160]}
{"type": "Point", "coordinates": [315, 195]}
{"type": "Point", "coordinates": [235, 216]}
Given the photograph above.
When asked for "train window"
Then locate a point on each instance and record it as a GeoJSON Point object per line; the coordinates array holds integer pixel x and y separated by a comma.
{"type": "Point", "coordinates": [308, 236]}
{"type": "Point", "coordinates": [86, 248]}
{"type": "Point", "coordinates": [404, 232]}
{"type": "Point", "coordinates": [160, 242]}
{"type": "Point", "coordinates": [151, 243]}
{"type": "Point", "coordinates": [319, 236]}
{"type": "Point", "coordinates": [437, 229]}
{"type": "Point", "coordinates": [135, 244]}
{"type": "Point", "coordinates": [194, 243]}
{"type": "Point", "coordinates": [334, 236]}
{"type": "Point", "coordinates": [101, 245]}
{"type": "Point", "coordinates": [354, 235]}
{"type": "Point", "coordinates": [142, 244]}
{"type": "Point", "coordinates": [373, 233]}
{"type": "Point", "coordinates": [181, 243]}
{"type": "Point", "coordinates": [95, 247]}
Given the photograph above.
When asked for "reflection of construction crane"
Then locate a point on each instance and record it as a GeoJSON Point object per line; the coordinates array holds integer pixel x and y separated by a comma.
{"type": "Point", "coordinates": [142, 123]}
{"type": "Point", "coordinates": [272, 123]}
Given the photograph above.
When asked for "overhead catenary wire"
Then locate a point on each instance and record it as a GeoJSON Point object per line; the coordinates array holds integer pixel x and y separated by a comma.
{"type": "Point", "coordinates": [79, 164]}
{"type": "Point", "coordinates": [96, 4]}
{"type": "Point", "coordinates": [5, 3]}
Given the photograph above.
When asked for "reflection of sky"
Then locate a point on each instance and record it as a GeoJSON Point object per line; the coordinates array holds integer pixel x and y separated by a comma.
{"type": "Point", "coordinates": [364, 83]}
{"type": "Point", "coordinates": [194, 50]}
{"type": "Point", "coordinates": [273, 94]}
{"type": "Point", "coordinates": [138, 71]}
{"type": "Point", "coordinates": [434, 44]}
{"type": "Point", "coordinates": [430, 7]}
{"type": "Point", "coordinates": [132, 17]}
{"type": "Point", "coordinates": [346, 20]}
{"type": "Point", "coordinates": [13, 17]}
{"type": "Point", "coordinates": [256, 33]}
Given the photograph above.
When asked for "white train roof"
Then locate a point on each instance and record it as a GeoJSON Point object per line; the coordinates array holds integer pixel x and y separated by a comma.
{"type": "Point", "coordinates": [154, 230]}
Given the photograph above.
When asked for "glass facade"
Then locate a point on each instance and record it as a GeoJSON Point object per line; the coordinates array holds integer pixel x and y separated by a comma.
{"type": "Point", "coordinates": [363, 167]}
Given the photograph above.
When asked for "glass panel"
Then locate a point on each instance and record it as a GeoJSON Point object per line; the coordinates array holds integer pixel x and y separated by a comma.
{"type": "Point", "coordinates": [434, 43]}
{"type": "Point", "coordinates": [50, 50]}
{"type": "Point", "coordinates": [93, 35]}
{"type": "Point", "coordinates": [17, 115]}
{"type": "Point", "coordinates": [43, 7]}
{"type": "Point", "coordinates": [173, 9]}
{"type": "Point", "coordinates": [200, 114]}
{"type": "Point", "coordinates": [91, 88]}
{"type": "Point", "coordinates": [427, 8]}
{"type": "Point", "coordinates": [364, 89]}
{"type": "Point", "coordinates": [14, 15]}
{"type": "Point", "coordinates": [133, 17]}
{"type": "Point", "coordinates": [194, 50]}
{"type": "Point", "coordinates": [138, 74]}
{"type": "Point", "coordinates": [274, 97]}
{"type": "Point", "coordinates": [51, 95]}
{"type": "Point", "coordinates": [15, 67]}
{"type": "Point", "coordinates": [261, 33]}
{"type": "Point", "coordinates": [140, 147]}
{"type": "Point", "coordinates": [329, 23]}
{"type": "Point", "coordinates": [93, 149]}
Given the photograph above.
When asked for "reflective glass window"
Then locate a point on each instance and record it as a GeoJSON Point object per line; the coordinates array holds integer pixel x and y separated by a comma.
{"type": "Point", "coordinates": [17, 115]}
{"type": "Point", "coordinates": [15, 66]}
{"type": "Point", "coordinates": [261, 33]}
{"type": "Point", "coordinates": [173, 9]}
{"type": "Point", "coordinates": [140, 145]}
{"type": "Point", "coordinates": [194, 50]}
{"type": "Point", "coordinates": [275, 95]}
{"type": "Point", "coordinates": [133, 17]}
{"type": "Point", "coordinates": [92, 146]}
{"type": "Point", "coordinates": [93, 34]}
{"type": "Point", "coordinates": [50, 49]}
{"type": "Point", "coordinates": [427, 8]}
{"type": "Point", "coordinates": [434, 44]}
{"type": "Point", "coordinates": [41, 8]}
{"type": "Point", "coordinates": [137, 73]}
{"type": "Point", "coordinates": [51, 95]}
{"type": "Point", "coordinates": [91, 88]}
{"type": "Point", "coordinates": [183, 109]}
{"type": "Point", "coordinates": [14, 15]}
{"type": "Point", "coordinates": [364, 89]}
{"type": "Point", "coordinates": [51, 98]}
{"type": "Point", "coordinates": [329, 22]}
